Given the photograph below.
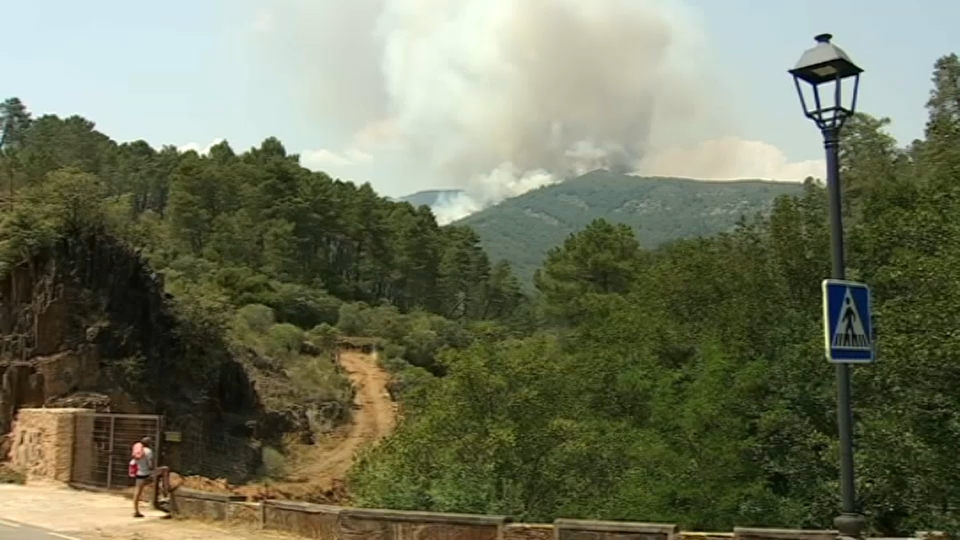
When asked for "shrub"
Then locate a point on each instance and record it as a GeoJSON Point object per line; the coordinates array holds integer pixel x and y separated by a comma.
{"type": "Point", "coordinates": [283, 341]}
{"type": "Point", "coordinates": [274, 463]}
{"type": "Point", "coordinates": [256, 317]}
{"type": "Point", "coordinates": [324, 336]}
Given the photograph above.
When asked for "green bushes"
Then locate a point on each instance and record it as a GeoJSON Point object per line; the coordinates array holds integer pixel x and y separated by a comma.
{"type": "Point", "coordinates": [419, 338]}
{"type": "Point", "coordinates": [274, 464]}
{"type": "Point", "coordinates": [324, 336]}
{"type": "Point", "coordinates": [283, 341]}
{"type": "Point", "coordinates": [312, 372]}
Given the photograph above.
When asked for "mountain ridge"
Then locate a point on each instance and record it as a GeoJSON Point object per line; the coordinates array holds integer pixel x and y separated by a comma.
{"type": "Point", "coordinates": [430, 197]}
{"type": "Point", "coordinates": [522, 229]}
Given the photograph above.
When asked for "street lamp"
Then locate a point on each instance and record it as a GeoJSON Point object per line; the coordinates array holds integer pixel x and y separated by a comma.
{"type": "Point", "coordinates": [827, 82]}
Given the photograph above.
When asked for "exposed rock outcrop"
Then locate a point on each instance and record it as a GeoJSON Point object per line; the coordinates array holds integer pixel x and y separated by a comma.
{"type": "Point", "coordinates": [87, 323]}
{"type": "Point", "coordinates": [286, 409]}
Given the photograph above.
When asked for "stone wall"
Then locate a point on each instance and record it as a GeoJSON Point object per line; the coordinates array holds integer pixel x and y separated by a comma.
{"type": "Point", "coordinates": [42, 444]}
{"type": "Point", "coordinates": [338, 523]}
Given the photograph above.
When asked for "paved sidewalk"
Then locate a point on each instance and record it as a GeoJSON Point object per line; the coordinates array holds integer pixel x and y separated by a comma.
{"type": "Point", "coordinates": [52, 513]}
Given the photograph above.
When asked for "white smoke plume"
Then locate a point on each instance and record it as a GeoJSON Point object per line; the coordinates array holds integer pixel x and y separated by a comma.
{"type": "Point", "coordinates": [483, 190]}
{"type": "Point", "coordinates": [502, 96]}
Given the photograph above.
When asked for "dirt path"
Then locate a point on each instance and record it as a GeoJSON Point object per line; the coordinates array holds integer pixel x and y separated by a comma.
{"type": "Point", "coordinates": [374, 416]}
{"type": "Point", "coordinates": [317, 472]}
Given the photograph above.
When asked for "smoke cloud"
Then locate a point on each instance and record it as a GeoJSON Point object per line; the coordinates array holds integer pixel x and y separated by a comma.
{"type": "Point", "coordinates": [498, 97]}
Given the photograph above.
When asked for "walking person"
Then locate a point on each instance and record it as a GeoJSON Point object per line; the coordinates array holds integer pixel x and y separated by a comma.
{"type": "Point", "coordinates": [141, 469]}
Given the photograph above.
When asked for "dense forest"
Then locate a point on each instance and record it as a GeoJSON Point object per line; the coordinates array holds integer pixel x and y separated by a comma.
{"type": "Point", "coordinates": [689, 383]}
{"type": "Point", "coordinates": [522, 230]}
{"type": "Point", "coordinates": [245, 228]}
{"type": "Point", "coordinates": [684, 384]}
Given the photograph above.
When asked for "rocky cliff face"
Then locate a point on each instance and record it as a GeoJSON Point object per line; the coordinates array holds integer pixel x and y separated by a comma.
{"type": "Point", "coordinates": [88, 324]}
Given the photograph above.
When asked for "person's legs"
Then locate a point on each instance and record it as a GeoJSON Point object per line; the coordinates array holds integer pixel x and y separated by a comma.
{"type": "Point", "coordinates": [136, 496]}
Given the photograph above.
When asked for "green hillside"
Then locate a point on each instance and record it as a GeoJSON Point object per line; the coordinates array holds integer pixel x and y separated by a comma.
{"type": "Point", "coordinates": [522, 229]}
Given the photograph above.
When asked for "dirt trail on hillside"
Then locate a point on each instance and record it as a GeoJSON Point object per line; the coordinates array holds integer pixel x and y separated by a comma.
{"type": "Point", "coordinates": [318, 471]}
{"type": "Point", "coordinates": [374, 416]}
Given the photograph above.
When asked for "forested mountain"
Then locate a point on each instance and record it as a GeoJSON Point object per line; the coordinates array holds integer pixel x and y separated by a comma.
{"type": "Point", "coordinates": [688, 383]}
{"type": "Point", "coordinates": [522, 229]}
{"type": "Point", "coordinates": [684, 384]}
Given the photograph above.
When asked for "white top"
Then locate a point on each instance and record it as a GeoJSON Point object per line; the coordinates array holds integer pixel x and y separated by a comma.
{"type": "Point", "coordinates": [143, 464]}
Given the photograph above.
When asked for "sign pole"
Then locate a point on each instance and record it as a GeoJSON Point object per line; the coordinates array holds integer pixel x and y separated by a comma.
{"type": "Point", "coordinates": [849, 523]}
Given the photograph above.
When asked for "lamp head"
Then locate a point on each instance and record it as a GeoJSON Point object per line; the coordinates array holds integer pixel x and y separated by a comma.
{"type": "Point", "coordinates": [827, 82]}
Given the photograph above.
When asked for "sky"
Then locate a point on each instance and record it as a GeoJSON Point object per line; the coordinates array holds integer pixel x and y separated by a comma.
{"type": "Point", "coordinates": [493, 96]}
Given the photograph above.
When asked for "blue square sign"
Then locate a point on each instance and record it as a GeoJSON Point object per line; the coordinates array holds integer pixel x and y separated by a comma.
{"type": "Point", "coordinates": [847, 325]}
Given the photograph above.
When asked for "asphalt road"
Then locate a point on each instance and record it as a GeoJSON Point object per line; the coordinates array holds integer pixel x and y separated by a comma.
{"type": "Point", "coordinates": [10, 530]}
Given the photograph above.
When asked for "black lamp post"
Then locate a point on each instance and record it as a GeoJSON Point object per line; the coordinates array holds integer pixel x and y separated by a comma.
{"type": "Point", "coordinates": [827, 82]}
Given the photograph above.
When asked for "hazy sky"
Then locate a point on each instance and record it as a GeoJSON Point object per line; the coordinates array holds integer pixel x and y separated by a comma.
{"type": "Point", "coordinates": [182, 72]}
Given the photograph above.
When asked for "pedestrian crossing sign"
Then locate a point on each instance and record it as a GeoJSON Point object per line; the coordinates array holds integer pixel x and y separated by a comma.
{"type": "Point", "coordinates": [847, 325]}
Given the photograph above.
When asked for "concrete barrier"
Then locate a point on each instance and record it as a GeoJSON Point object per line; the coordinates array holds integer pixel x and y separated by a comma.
{"type": "Point", "coordinates": [337, 523]}
{"type": "Point", "coordinates": [199, 504]}
{"type": "Point", "coordinates": [324, 522]}
{"type": "Point", "coordinates": [361, 524]}
{"type": "Point", "coordinates": [525, 531]}
{"type": "Point", "coordinates": [245, 513]}
{"type": "Point", "coordinates": [572, 529]}
{"type": "Point", "coordinates": [307, 520]}
{"type": "Point", "coordinates": [692, 535]}
{"type": "Point", "coordinates": [750, 533]}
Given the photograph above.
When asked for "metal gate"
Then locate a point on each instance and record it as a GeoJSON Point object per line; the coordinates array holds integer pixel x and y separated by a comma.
{"type": "Point", "coordinates": [102, 444]}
